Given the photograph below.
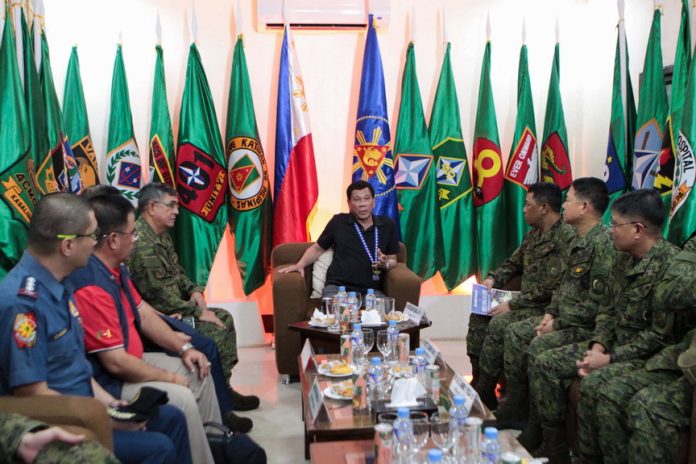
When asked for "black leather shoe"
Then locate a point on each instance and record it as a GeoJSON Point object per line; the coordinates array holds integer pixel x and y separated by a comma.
{"type": "Point", "coordinates": [244, 402]}
{"type": "Point", "coordinates": [236, 423]}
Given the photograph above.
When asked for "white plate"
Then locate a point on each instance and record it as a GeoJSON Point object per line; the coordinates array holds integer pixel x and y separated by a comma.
{"type": "Point", "coordinates": [328, 373]}
{"type": "Point", "coordinates": [375, 324]}
{"type": "Point", "coordinates": [329, 393]}
{"type": "Point", "coordinates": [313, 323]}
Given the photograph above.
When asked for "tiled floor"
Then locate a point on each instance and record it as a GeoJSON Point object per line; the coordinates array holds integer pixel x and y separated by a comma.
{"type": "Point", "coordinates": [278, 422]}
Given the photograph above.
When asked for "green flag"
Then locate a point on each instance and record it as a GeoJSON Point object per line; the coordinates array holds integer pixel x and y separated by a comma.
{"type": "Point", "coordinates": [250, 206]}
{"type": "Point", "coordinates": [652, 112]}
{"type": "Point", "coordinates": [683, 208]}
{"type": "Point", "coordinates": [622, 126]}
{"type": "Point", "coordinates": [64, 164]}
{"type": "Point", "coordinates": [161, 138]}
{"type": "Point", "coordinates": [489, 197]}
{"type": "Point", "coordinates": [415, 179]}
{"type": "Point", "coordinates": [17, 193]}
{"type": "Point", "coordinates": [522, 168]}
{"type": "Point", "coordinates": [201, 177]}
{"type": "Point", "coordinates": [453, 181]}
{"type": "Point", "coordinates": [123, 168]}
{"type": "Point", "coordinates": [77, 124]}
{"type": "Point", "coordinates": [555, 159]}
{"type": "Point", "coordinates": [664, 180]}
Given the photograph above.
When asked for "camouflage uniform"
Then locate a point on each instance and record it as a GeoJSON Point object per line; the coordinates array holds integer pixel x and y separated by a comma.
{"type": "Point", "coordinates": [574, 306]}
{"type": "Point", "coordinates": [162, 282]}
{"type": "Point", "coordinates": [13, 427]}
{"type": "Point", "coordinates": [539, 261]}
{"type": "Point", "coordinates": [632, 326]}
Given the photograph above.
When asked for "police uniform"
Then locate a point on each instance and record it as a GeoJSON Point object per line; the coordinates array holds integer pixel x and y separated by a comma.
{"type": "Point", "coordinates": [162, 282]}
{"type": "Point", "coordinates": [41, 340]}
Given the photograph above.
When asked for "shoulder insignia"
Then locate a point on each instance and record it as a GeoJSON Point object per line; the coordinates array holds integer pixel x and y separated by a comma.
{"type": "Point", "coordinates": [24, 330]}
{"type": "Point", "coordinates": [28, 288]}
{"type": "Point", "coordinates": [578, 270]}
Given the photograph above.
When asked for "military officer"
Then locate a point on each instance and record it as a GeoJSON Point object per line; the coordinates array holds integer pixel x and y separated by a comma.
{"type": "Point", "coordinates": [538, 260]}
{"type": "Point", "coordinates": [160, 279]}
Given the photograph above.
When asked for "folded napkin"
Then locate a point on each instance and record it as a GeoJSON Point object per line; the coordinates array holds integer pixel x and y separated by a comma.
{"type": "Point", "coordinates": [318, 316]}
{"type": "Point", "coordinates": [371, 317]}
{"type": "Point", "coordinates": [405, 393]}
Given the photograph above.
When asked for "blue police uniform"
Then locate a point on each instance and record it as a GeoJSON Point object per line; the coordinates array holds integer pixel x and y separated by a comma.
{"type": "Point", "coordinates": [41, 340]}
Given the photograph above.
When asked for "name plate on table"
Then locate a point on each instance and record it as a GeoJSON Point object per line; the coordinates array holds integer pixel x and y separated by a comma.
{"type": "Point", "coordinates": [460, 387]}
{"type": "Point", "coordinates": [307, 355]}
{"type": "Point", "coordinates": [431, 351]}
{"type": "Point", "coordinates": [414, 313]}
{"type": "Point", "coordinates": [316, 402]}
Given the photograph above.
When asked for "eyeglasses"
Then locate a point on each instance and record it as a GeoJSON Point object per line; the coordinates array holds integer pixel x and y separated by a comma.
{"type": "Point", "coordinates": [613, 225]}
{"type": "Point", "coordinates": [94, 236]}
{"type": "Point", "coordinates": [134, 234]}
{"type": "Point", "coordinates": [170, 204]}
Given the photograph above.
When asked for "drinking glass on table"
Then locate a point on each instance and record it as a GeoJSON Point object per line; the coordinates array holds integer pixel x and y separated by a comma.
{"type": "Point", "coordinates": [421, 431]}
{"type": "Point", "coordinates": [439, 432]}
{"type": "Point", "coordinates": [388, 305]}
{"type": "Point", "coordinates": [383, 344]}
{"type": "Point", "coordinates": [368, 340]}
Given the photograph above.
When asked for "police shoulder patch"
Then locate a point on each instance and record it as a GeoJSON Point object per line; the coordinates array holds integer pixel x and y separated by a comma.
{"type": "Point", "coordinates": [28, 288]}
{"type": "Point", "coordinates": [24, 330]}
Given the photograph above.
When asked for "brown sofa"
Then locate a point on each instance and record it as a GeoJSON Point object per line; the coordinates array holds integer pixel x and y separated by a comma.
{"type": "Point", "coordinates": [77, 414]}
{"type": "Point", "coordinates": [292, 302]}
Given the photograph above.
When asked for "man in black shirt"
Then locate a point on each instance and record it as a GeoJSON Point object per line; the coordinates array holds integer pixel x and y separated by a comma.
{"type": "Point", "coordinates": [365, 246]}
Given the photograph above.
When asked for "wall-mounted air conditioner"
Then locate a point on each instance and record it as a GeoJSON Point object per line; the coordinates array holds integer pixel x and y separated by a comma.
{"type": "Point", "coordinates": [320, 14]}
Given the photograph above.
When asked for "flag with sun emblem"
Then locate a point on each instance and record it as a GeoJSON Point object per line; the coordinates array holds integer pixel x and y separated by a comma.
{"type": "Point", "coordinates": [250, 206]}
{"type": "Point", "coordinates": [123, 168]}
{"type": "Point", "coordinates": [372, 155]}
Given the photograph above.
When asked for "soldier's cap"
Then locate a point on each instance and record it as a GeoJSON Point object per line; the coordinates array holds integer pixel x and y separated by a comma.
{"type": "Point", "coordinates": [143, 407]}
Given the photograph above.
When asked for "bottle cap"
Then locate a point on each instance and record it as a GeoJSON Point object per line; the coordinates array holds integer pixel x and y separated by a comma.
{"type": "Point", "coordinates": [370, 291]}
{"type": "Point", "coordinates": [420, 351]}
{"type": "Point", "coordinates": [458, 400]}
{"type": "Point", "coordinates": [376, 361]}
{"type": "Point", "coordinates": [434, 455]}
{"type": "Point", "coordinates": [341, 288]}
{"type": "Point", "coordinates": [357, 326]}
{"type": "Point", "coordinates": [402, 412]}
{"type": "Point", "coordinates": [392, 323]}
{"type": "Point", "coordinates": [490, 432]}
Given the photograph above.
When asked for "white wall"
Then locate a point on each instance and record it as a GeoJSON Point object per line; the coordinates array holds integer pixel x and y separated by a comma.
{"type": "Point", "coordinates": [331, 64]}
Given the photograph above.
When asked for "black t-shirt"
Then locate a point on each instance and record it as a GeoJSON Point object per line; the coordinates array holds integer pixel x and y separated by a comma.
{"type": "Point", "coordinates": [351, 265]}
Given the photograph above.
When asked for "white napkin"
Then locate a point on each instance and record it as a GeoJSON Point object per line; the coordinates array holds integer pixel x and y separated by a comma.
{"type": "Point", "coordinates": [318, 316]}
{"type": "Point", "coordinates": [371, 317]}
{"type": "Point", "coordinates": [405, 393]}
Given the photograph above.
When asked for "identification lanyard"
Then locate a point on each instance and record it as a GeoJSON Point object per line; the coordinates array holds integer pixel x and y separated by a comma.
{"type": "Point", "coordinates": [376, 271]}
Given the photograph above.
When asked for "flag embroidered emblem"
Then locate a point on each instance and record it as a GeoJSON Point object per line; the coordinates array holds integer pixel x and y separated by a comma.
{"type": "Point", "coordinates": [411, 170]}
{"type": "Point", "coordinates": [648, 146]}
{"type": "Point", "coordinates": [522, 168]}
{"type": "Point", "coordinates": [449, 171]}
{"type": "Point", "coordinates": [201, 182]}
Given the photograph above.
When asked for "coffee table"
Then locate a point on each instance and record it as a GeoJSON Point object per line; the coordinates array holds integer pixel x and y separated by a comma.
{"type": "Point", "coordinates": [326, 342]}
{"type": "Point", "coordinates": [341, 423]}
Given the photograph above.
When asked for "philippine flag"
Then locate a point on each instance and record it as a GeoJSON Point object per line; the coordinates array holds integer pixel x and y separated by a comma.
{"type": "Point", "coordinates": [295, 188]}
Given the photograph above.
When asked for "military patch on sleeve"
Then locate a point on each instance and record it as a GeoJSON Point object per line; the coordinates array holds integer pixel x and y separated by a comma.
{"type": "Point", "coordinates": [28, 288]}
{"type": "Point", "coordinates": [24, 330]}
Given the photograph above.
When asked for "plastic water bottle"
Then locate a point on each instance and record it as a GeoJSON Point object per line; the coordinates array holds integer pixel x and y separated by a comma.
{"type": "Point", "coordinates": [393, 337]}
{"type": "Point", "coordinates": [434, 455]}
{"type": "Point", "coordinates": [457, 417]}
{"type": "Point", "coordinates": [419, 365]}
{"type": "Point", "coordinates": [370, 299]}
{"type": "Point", "coordinates": [375, 379]}
{"type": "Point", "coordinates": [340, 297]}
{"type": "Point", "coordinates": [403, 437]}
{"type": "Point", "coordinates": [357, 345]}
{"type": "Point", "coordinates": [490, 448]}
{"type": "Point", "coordinates": [353, 303]}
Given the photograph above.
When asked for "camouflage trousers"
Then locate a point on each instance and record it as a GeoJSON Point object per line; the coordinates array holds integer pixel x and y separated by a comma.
{"type": "Point", "coordinates": [605, 396]}
{"type": "Point", "coordinates": [493, 349]}
{"type": "Point", "coordinates": [523, 347]}
{"type": "Point", "coordinates": [656, 415]}
{"type": "Point", "coordinates": [226, 339]}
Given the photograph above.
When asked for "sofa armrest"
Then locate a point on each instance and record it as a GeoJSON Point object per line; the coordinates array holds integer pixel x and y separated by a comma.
{"type": "Point", "coordinates": [64, 411]}
{"type": "Point", "coordinates": [403, 285]}
{"type": "Point", "coordinates": [290, 296]}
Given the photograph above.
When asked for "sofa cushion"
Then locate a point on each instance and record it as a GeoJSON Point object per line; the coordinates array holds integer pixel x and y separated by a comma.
{"type": "Point", "coordinates": [321, 265]}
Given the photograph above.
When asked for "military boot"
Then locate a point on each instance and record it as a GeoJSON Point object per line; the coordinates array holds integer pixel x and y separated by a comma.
{"type": "Point", "coordinates": [485, 386]}
{"type": "Point", "coordinates": [512, 413]}
{"type": "Point", "coordinates": [531, 435]}
{"type": "Point", "coordinates": [555, 446]}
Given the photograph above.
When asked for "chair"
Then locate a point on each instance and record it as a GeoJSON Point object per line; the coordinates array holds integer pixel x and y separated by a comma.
{"type": "Point", "coordinates": [76, 414]}
{"type": "Point", "coordinates": [292, 302]}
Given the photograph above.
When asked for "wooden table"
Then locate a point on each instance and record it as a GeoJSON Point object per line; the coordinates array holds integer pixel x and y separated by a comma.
{"type": "Point", "coordinates": [326, 342]}
{"type": "Point", "coordinates": [342, 424]}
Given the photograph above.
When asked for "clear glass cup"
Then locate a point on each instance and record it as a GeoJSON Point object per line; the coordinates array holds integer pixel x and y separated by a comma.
{"type": "Point", "coordinates": [383, 344]}
{"type": "Point", "coordinates": [333, 317]}
{"type": "Point", "coordinates": [369, 340]}
{"type": "Point", "coordinates": [439, 432]}
{"type": "Point", "coordinates": [421, 432]}
{"type": "Point", "coordinates": [327, 305]}
{"type": "Point", "coordinates": [388, 305]}
{"type": "Point", "coordinates": [379, 307]}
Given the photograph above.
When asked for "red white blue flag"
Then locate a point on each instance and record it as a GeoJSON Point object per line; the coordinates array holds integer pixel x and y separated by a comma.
{"type": "Point", "coordinates": [295, 190]}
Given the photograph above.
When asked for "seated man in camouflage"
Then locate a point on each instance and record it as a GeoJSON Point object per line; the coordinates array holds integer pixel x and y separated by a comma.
{"type": "Point", "coordinates": [162, 282]}
{"type": "Point", "coordinates": [630, 327]}
{"type": "Point", "coordinates": [538, 261]}
{"type": "Point", "coordinates": [571, 314]}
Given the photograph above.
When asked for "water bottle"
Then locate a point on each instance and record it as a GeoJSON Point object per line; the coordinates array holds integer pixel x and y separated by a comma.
{"type": "Point", "coordinates": [357, 345]}
{"type": "Point", "coordinates": [457, 417]}
{"type": "Point", "coordinates": [434, 455]}
{"type": "Point", "coordinates": [490, 448]}
{"type": "Point", "coordinates": [393, 337]}
{"type": "Point", "coordinates": [375, 381]}
{"type": "Point", "coordinates": [353, 304]}
{"type": "Point", "coordinates": [403, 437]}
{"type": "Point", "coordinates": [419, 365]}
{"type": "Point", "coordinates": [341, 296]}
{"type": "Point", "coordinates": [370, 299]}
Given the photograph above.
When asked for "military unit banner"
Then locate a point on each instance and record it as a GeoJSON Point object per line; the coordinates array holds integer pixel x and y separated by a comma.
{"type": "Point", "coordinates": [161, 137]}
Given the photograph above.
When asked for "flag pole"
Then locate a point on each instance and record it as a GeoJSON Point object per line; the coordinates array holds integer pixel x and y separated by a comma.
{"type": "Point", "coordinates": [488, 27]}
{"type": "Point", "coordinates": [158, 29]}
{"type": "Point", "coordinates": [239, 18]}
{"type": "Point", "coordinates": [524, 31]}
{"type": "Point", "coordinates": [413, 24]}
{"type": "Point", "coordinates": [622, 63]}
{"type": "Point", "coordinates": [194, 23]}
